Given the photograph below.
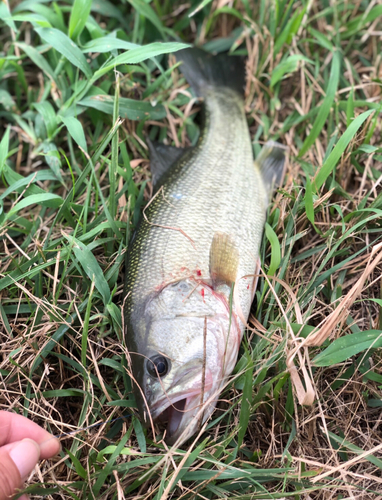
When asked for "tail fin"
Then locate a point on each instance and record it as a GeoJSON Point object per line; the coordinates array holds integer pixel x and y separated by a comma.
{"type": "Point", "coordinates": [271, 162]}
{"type": "Point", "coordinates": [202, 70]}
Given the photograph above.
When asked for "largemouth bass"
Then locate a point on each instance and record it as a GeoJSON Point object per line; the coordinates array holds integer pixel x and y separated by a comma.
{"type": "Point", "coordinates": [191, 265]}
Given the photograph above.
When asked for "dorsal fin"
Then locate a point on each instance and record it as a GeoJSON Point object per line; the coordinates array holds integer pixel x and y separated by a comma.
{"type": "Point", "coordinates": [162, 157]}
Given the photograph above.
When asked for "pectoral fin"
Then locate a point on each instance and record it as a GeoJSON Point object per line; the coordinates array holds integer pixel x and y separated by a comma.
{"type": "Point", "coordinates": [224, 259]}
{"type": "Point", "coordinates": [162, 157]}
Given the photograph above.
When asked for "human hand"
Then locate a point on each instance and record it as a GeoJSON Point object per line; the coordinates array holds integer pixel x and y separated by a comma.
{"type": "Point", "coordinates": [22, 444]}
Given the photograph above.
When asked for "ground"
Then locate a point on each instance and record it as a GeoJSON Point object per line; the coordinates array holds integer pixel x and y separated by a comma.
{"type": "Point", "coordinates": [76, 100]}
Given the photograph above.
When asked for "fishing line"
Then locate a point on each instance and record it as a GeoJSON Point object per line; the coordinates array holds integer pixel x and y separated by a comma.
{"type": "Point", "coordinates": [72, 433]}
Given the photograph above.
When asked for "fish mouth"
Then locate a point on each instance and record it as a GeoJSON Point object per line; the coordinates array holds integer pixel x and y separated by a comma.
{"type": "Point", "coordinates": [172, 416]}
{"type": "Point", "coordinates": [179, 418]}
{"type": "Point", "coordinates": [180, 411]}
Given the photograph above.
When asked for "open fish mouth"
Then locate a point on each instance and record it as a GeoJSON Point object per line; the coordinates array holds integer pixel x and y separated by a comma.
{"type": "Point", "coordinates": [177, 415]}
{"type": "Point", "coordinates": [178, 410]}
{"type": "Point", "coordinates": [172, 416]}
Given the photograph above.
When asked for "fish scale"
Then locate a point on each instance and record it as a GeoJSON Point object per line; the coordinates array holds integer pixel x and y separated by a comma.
{"type": "Point", "coordinates": [238, 191]}
{"type": "Point", "coordinates": [208, 210]}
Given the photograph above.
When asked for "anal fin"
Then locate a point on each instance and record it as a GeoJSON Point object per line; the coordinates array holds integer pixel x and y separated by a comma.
{"type": "Point", "coordinates": [224, 259]}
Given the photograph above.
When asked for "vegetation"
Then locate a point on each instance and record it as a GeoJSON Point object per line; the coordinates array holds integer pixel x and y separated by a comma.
{"type": "Point", "coordinates": [81, 83]}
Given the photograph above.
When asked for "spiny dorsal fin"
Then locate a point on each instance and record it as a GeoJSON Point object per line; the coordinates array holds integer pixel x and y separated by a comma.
{"type": "Point", "coordinates": [162, 157]}
{"type": "Point", "coordinates": [224, 259]}
{"type": "Point", "coordinates": [271, 162]}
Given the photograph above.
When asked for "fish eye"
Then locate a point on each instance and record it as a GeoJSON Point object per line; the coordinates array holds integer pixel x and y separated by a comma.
{"type": "Point", "coordinates": [158, 365]}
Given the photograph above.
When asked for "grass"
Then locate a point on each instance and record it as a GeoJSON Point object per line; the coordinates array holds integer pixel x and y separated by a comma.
{"type": "Point", "coordinates": [80, 85]}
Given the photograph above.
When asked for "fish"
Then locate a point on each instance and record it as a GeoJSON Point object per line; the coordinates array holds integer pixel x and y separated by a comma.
{"type": "Point", "coordinates": [191, 267]}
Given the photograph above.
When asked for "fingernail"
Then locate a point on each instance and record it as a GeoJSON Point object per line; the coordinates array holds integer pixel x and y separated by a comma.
{"type": "Point", "coordinates": [25, 455]}
{"type": "Point", "coordinates": [50, 447]}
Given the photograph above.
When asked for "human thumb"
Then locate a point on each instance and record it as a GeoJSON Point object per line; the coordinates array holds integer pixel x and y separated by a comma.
{"type": "Point", "coordinates": [17, 460]}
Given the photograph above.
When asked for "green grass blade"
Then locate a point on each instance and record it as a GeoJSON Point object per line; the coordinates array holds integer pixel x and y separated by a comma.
{"type": "Point", "coordinates": [288, 65]}
{"type": "Point", "coordinates": [107, 44]}
{"type": "Point", "coordinates": [139, 54]}
{"type": "Point", "coordinates": [350, 108]}
{"type": "Point", "coordinates": [91, 267]}
{"type": "Point", "coordinates": [49, 116]}
{"type": "Point", "coordinates": [246, 401]}
{"type": "Point", "coordinates": [355, 449]}
{"type": "Point", "coordinates": [308, 200]}
{"type": "Point", "coordinates": [128, 108]}
{"type": "Point", "coordinates": [290, 29]}
{"type": "Point", "coordinates": [78, 17]}
{"type": "Point", "coordinates": [36, 20]}
{"type": "Point", "coordinates": [114, 155]}
{"type": "Point", "coordinates": [17, 182]}
{"type": "Point", "coordinates": [82, 178]}
{"type": "Point", "coordinates": [201, 6]}
{"type": "Point", "coordinates": [46, 199]}
{"type": "Point", "coordinates": [64, 45]}
{"type": "Point", "coordinates": [275, 249]}
{"type": "Point", "coordinates": [339, 148]}
{"type": "Point", "coordinates": [345, 347]}
{"type": "Point", "coordinates": [326, 106]}
{"type": "Point", "coordinates": [85, 330]}
{"type": "Point", "coordinates": [4, 148]}
{"type": "Point", "coordinates": [39, 60]}
{"type": "Point", "coordinates": [147, 11]}
{"type": "Point", "coordinates": [5, 16]}
{"type": "Point", "coordinates": [76, 131]}
{"type": "Point", "coordinates": [102, 478]}
{"type": "Point", "coordinates": [321, 39]}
